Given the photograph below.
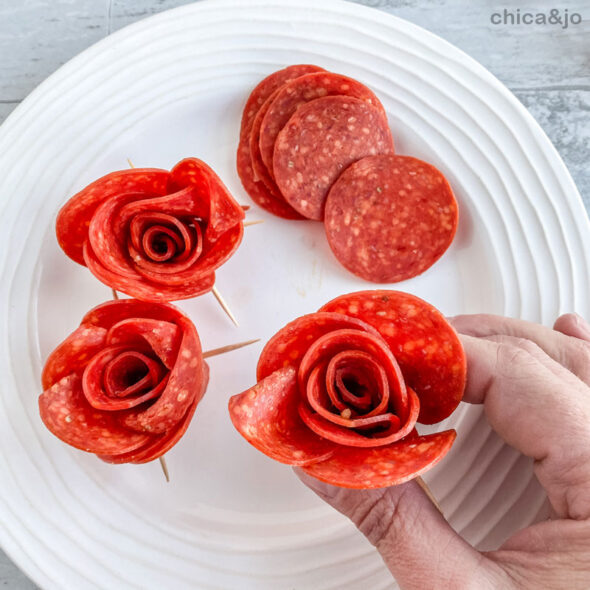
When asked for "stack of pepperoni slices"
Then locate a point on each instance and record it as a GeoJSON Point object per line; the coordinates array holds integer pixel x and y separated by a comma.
{"type": "Point", "coordinates": [317, 145]}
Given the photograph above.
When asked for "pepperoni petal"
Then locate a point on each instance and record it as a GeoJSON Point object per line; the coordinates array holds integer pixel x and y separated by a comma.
{"type": "Point", "coordinates": [160, 445]}
{"type": "Point", "coordinates": [74, 217]}
{"type": "Point", "coordinates": [66, 412]}
{"type": "Point", "coordinates": [180, 391]}
{"type": "Point", "coordinates": [266, 416]}
{"type": "Point", "coordinates": [360, 468]}
{"type": "Point", "coordinates": [162, 337]}
{"type": "Point", "coordinates": [425, 345]}
{"type": "Point", "coordinates": [73, 354]}
{"type": "Point", "coordinates": [288, 346]}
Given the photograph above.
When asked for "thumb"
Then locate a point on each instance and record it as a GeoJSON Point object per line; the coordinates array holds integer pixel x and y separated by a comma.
{"type": "Point", "coordinates": [416, 543]}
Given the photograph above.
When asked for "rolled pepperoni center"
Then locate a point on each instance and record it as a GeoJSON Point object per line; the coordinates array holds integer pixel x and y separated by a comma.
{"type": "Point", "coordinates": [356, 383]}
{"type": "Point", "coordinates": [131, 373]}
{"type": "Point", "coordinates": [161, 243]}
{"type": "Point", "coordinates": [353, 392]}
{"type": "Point", "coordinates": [157, 238]}
{"type": "Point", "coordinates": [119, 378]}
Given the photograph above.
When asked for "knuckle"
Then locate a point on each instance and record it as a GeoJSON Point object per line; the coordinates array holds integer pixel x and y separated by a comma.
{"type": "Point", "coordinates": [528, 345]}
{"type": "Point", "coordinates": [509, 354]}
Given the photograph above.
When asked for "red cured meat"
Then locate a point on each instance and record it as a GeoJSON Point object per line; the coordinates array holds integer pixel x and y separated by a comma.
{"type": "Point", "coordinates": [220, 209]}
{"type": "Point", "coordinates": [320, 140]}
{"type": "Point", "coordinates": [126, 383]}
{"type": "Point", "coordinates": [160, 445]}
{"type": "Point", "coordinates": [266, 195]}
{"type": "Point", "coordinates": [266, 415]}
{"type": "Point", "coordinates": [261, 172]}
{"type": "Point", "coordinates": [65, 411]}
{"type": "Point", "coordinates": [424, 344]}
{"type": "Point", "coordinates": [287, 99]}
{"type": "Point", "coordinates": [71, 356]}
{"type": "Point", "coordinates": [358, 468]}
{"type": "Point", "coordinates": [74, 217]}
{"type": "Point", "coordinates": [334, 394]}
{"type": "Point", "coordinates": [266, 87]}
{"type": "Point", "coordinates": [160, 244]}
{"type": "Point", "coordinates": [389, 218]}
{"type": "Point", "coordinates": [289, 345]}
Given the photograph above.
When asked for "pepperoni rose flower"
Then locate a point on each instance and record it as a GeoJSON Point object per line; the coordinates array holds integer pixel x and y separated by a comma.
{"type": "Point", "coordinates": [126, 383]}
{"type": "Point", "coordinates": [153, 234]}
{"type": "Point", "coordinates": [339, 391]}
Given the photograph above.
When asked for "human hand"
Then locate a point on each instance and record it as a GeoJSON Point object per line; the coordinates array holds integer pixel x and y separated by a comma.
{"type": "Point", "coordinates": [534, 383]}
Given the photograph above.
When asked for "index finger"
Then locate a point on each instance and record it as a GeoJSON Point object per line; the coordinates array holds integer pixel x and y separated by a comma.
{"type": "Point", "coordinates": [545, 413]}
{"type": "Point", "coordinates": [573, 353]}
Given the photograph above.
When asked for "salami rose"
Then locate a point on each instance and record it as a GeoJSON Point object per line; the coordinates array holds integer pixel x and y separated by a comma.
{"type": "Point", "coordinates": [332, 397]}
{"type": "Point", "coordinates": [126, 383]}
{"type": "Point", "coordinates": [153, 234]}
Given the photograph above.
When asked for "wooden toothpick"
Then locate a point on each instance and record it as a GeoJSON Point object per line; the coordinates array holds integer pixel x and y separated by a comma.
{"type": "Point", "coordinates": [429, 493]}
{"type": "Point", "coordinates": [164, 467]}
{"type": "Point", "coordinates": [130, 163]}
{"type": "Point", "coordinates": [254, 222]}
{"type": "Point", "coordinates": [224, 305]}
{"type": "Point", "coordinates": [228, 348]}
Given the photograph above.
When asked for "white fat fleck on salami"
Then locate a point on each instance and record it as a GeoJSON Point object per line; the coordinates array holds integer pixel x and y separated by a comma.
{"type": "Point", "coordinates": [384, 228]}
{"type": "Point", "coordinates": [307, 159]}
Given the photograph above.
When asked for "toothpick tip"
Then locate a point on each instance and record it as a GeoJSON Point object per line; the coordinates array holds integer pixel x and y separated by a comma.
{"type": "Point", "coordinates": [164, 467]}
{"type": "Point", "coordinates": [254, 222]}
{"type": "Point", "coordinates": [130, 163]}
{"type": "Point", "coordinates": [426, 489]}
{"type": "Point", "coordinates": [228, 348]}
{"type": "Point", "coordinates": [224, 305]}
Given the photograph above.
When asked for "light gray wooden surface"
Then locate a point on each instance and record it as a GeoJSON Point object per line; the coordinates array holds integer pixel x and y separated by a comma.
{"type": "Point", "coordinates": [547, 68]}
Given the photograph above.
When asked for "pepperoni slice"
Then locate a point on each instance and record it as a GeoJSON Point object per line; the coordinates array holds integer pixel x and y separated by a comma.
{"type": "Point", "coordinates": [359, 468]}
{"type": "Point", "coordinates": [223, 212]}
{"type": "Point", "coordinates": [390, 218]}
{"type": "Point", "coordinates": [71, 356]}
{"type": "Point", "coordinates": [425, 345]}
{"type": "Point", "coordinates": [266, 416]}
{"type": "Point", "coordinates": [74, 217]}
{"type": "Point", "coordinates": [159, 446]}
{"type": "Point", "coordinates": [68, 415]}
{"type": "Point", "coordinates": [290, 344]}
{"type": "Point", "coordinates": [266, 87]}
{"type": "Point", "coordinates": [286, 100]}
{"type": "Point", "coordinates": [266, 195]}
{"type": "Point", "coordinates": [179, 393]}
{"type": "Point", "coordinates": [320, 140]}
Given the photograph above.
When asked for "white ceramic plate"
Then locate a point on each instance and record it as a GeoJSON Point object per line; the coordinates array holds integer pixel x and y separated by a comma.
{"type": "Point", "coordinates": [173, 86]}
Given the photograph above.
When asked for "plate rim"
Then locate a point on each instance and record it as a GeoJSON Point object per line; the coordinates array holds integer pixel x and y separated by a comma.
{"type": "Point", "coordinates": [563, 174]}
